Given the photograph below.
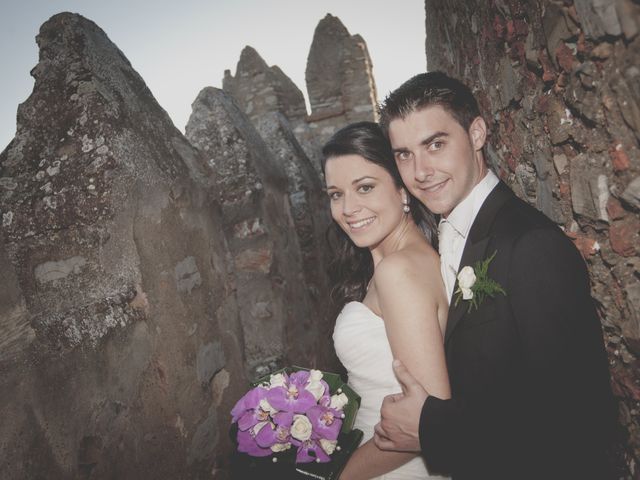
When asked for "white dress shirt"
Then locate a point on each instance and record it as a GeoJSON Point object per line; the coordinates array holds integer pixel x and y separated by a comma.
{"type": "Point", "coordinates": [453, 230]}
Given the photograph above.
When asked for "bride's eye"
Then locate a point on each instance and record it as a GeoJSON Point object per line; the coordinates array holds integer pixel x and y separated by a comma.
{"type": "Point", "coordinates": [365, 188]}
{"type": "Point", "coordinates": [334, 195]}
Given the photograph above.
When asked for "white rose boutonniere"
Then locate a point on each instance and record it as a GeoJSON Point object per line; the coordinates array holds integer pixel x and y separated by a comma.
{"type": "Point", "coordinates": [466, 280]}
{"type": "Point", "coordinates": [474, 284]}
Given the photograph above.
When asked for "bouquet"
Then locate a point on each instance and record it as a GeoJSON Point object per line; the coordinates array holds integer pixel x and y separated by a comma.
{"type": "Point", "coordinates": [298, 416]}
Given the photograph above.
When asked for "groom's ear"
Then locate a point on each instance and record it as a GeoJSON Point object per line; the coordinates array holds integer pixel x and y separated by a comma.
{"type": "Point", "coordinates": [478, 133]}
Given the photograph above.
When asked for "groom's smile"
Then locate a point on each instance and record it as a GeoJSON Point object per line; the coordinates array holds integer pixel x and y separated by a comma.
{"type": "Point", "coordinates": [440, 162]}
{"type": "Point", "coordinates": [433, 187]}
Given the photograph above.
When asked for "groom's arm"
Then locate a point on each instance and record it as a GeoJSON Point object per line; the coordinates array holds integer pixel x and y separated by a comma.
{"type": "Point", "coordinates": [566, 393]}
{"type": "Point", "coordinates": [439, 428]}
{"type": "Point", "coordinates": [558, 403]}
{"type": "Point", "coordinates": [558, 406]}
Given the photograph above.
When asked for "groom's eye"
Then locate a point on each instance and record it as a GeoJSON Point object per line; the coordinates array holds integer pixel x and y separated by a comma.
{"type": "Point", "coordinates": [402, 156]}
{"type": "Point", "coordinates": [436, 145]}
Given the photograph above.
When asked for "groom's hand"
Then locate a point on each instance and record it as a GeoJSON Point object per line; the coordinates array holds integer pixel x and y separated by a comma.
{"type": "Point", "coordinates": [400, 414]}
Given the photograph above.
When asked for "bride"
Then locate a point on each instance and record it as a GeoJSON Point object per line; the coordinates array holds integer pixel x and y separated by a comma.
{"type": "Point", "coordinates": [387, 278]}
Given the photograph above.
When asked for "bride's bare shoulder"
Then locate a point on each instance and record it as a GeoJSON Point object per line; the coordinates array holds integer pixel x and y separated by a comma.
{"type": "Point", "coordinates": [416, 263]}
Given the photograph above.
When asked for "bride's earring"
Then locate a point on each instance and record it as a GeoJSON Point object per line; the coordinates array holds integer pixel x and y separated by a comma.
{"type": "Point", "coordinates": [405, 203]}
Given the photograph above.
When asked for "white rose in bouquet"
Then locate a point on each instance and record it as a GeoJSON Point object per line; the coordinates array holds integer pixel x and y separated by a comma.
{"type": "Point", "coordinates": [280, 447]}
{"type": "Point", "coordinates": [301, 428]}
{"type": "Point", "coordinates": [339, 401]}
{"type": "Point", "coordinates": [314, 386]}
{"type": "Point", "coordinates": [329, 446]}
{"type": "Point", "coordinates": [277, 380]}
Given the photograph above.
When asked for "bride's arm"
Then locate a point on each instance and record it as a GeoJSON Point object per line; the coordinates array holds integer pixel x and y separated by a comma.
{"type": "Point", "coordinates": [407, 297]}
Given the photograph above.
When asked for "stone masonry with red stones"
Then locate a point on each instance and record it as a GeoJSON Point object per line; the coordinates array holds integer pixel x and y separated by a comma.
{"type": "Point", "coordinates": [559, 84]}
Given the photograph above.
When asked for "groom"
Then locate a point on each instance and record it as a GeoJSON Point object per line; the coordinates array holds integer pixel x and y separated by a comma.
{"type": "Point", "coordinates": [528, 371]}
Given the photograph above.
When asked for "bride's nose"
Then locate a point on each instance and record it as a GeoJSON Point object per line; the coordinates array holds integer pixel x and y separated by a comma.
{"type": "Point", "coordinates": [350, 205]}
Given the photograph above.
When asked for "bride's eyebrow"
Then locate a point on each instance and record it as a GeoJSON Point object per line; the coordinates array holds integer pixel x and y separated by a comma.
{"type": "Point", "coordinates": [363, 178]}
{"type": "Point", "coordinates": [366, 177]}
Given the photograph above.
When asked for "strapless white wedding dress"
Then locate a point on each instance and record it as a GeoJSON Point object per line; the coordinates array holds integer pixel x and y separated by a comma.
{"type": "Point", "coordinates": [360, 340]}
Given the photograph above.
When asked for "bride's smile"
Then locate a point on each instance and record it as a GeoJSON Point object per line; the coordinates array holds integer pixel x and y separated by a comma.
{"type": "Point", "coordinates": [365, 201]}
{"type": "Point", "coordinates": [360, 224]}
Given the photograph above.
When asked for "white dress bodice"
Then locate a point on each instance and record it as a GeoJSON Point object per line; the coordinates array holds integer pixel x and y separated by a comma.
{"type": "Point", "coordinates": [361, 343]}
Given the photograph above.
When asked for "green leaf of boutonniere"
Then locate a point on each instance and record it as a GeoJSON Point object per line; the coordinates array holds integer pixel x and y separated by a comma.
{"type": "Point", "coordinates": [474, 285]}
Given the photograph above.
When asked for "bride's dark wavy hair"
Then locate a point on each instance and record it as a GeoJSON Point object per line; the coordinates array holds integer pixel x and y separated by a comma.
{"type": "Point", "coordinates": [351, 267]}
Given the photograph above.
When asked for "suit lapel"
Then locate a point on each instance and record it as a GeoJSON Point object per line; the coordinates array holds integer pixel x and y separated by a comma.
{"type": "Point", "coordinates": [476, 246]}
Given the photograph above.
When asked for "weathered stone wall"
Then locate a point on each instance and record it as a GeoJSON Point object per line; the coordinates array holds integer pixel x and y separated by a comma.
{"type": "Point", "coordinates": [340, 85]}
{"type": "Point", "coordinates": [310, 212]}
{"type": "Point", "coordinates": [260, 90]}
{"type": "Point", "coordinates": [142, 281]}
{"type": "Point", "coordinates": [559, 84]}
{"type": "Point", "coordinates": [278, 320]}
{"type": "Point", "coordinates": [340, 80]}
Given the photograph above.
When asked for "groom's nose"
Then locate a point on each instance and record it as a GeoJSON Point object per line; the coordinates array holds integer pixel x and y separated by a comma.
{"type": "Point", "coordinates": [423, 169]}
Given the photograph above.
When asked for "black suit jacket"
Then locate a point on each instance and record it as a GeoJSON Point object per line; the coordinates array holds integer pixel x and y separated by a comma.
{"type": "Point", "coordinates": [531, 396]}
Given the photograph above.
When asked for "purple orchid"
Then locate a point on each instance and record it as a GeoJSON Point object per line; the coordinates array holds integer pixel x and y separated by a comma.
{"type": "Point", "coordinates": [248, 412]}
{"type": "Point", "coordinates": [247, 444]}
{"type": "Point", "coordinates": [249, 401]}
{"type": "Point", "coordinates": [299, 378]}
{"type": "Point", "coordinates": [310, 451]}
{"type": "Point", "coordinates": [292, 397]}
{"type": "Point", "coordinates": [271, 434]}
{"type": "Point", "coordinates": [283, 419]}
{"type": "Point", "coordinates": [326, 422]}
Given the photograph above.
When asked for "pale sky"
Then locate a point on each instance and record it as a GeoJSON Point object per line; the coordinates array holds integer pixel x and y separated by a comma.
{"type": "Point", "coordinates": [179, 47]}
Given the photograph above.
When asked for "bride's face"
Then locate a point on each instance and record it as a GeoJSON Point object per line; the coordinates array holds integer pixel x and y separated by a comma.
{"type": "Point", "coordinates": [365, 201]}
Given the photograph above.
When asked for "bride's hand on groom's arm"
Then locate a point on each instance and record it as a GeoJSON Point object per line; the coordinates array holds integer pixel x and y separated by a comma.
{"type": "Point", "coordinates": [400, 414]}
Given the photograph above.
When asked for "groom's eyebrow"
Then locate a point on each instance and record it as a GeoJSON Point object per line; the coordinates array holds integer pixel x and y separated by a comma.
{"type": "Point", "coordinates": [426, 141]}
{"type": "Point", "coordinates": [431, 138]}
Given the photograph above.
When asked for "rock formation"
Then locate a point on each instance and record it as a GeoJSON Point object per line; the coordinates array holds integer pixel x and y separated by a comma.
{"type": "Point", "coordinates": [340, 85]}
{"type": "Point", "coordinates": [121, 346]}
{"type": "Point", "coordinates": [275, 307]}
{"type": "Point", "coordinates": [144, 278]}
{"type": "Point", "coordinates": [259, 89]}
{"type": "Point", "coordinates": [560, 84]}
{"type": "Point", "coordinates": [309, 210]}
{"type": "Point", "coordinates": [340, 80]}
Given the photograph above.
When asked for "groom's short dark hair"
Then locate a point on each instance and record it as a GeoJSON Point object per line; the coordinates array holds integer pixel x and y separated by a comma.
{"type": "Point", "coordinates": [428, 89]}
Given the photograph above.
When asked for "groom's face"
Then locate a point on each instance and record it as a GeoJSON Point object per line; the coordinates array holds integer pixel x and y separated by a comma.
{"type": "Point", "coordinates": [440, 162]}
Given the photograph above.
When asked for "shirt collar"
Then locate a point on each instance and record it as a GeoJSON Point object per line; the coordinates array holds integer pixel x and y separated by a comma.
{"type": "Point", "coordinates": [462, 216]}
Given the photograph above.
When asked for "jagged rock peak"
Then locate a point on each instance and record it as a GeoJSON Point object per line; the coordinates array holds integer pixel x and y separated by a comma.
{"type": "Point", "coordinates": [331, 25]}
{"type": "Point", "coordinates": [339, 78]}
{"type": "Point", "coordinates": [108, 249]}
{"type": "Point", "coordinates": [72, 46]}
{"type": "Point", "coordinates": [80, 65]}
{"type": "Point", "coordinates": [90, 136]}
{"type": "Point", "coordinates": [250, 56]}
{"type": "Point", "coordinates": [259, 89]}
